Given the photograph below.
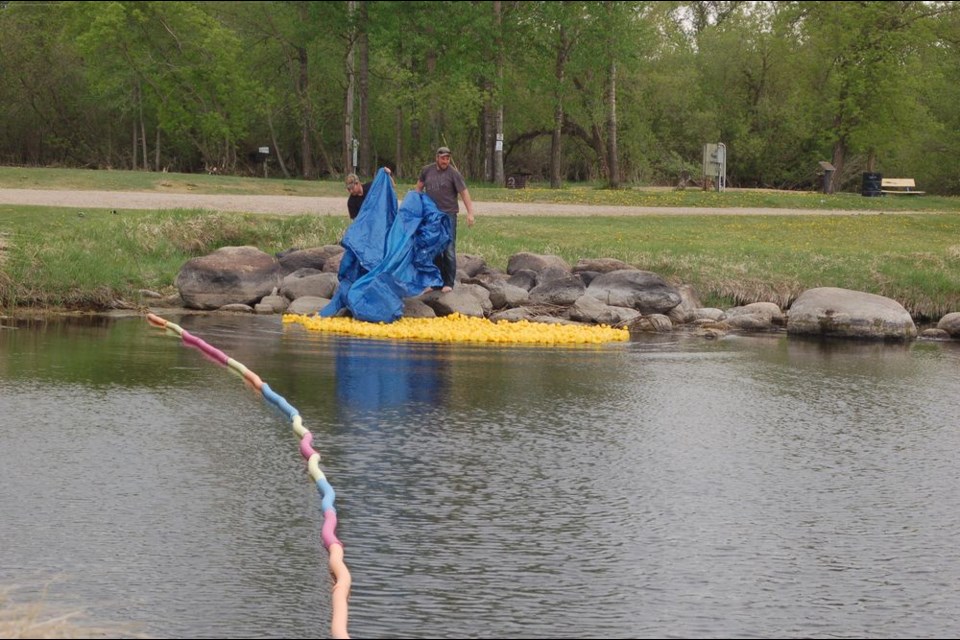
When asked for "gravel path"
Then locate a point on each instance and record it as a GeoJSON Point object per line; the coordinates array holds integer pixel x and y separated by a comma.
{"type": "Point", "coordinates": [295, 205]}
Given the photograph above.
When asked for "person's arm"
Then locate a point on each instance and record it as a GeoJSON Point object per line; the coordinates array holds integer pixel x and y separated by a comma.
{"type": "Point", "coordinates": [419, 186]}
{"type": "Point", "coordinates": [465, 195]}
{"type": "Point", "coordinates": [390, 173]}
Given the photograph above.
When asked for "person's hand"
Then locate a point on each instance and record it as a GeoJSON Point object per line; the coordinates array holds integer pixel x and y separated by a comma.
{"type": "Point", "coordinates": [387, 169]}
{"type": "Point", "coordinates": [470, 218]}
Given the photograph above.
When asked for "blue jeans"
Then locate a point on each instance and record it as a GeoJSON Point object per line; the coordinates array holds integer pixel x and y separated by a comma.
{"type": "Point", "coordinates": [446, 261]}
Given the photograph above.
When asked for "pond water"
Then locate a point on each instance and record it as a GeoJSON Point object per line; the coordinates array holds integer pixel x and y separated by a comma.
{"type": "Point", "coordinates": [666, 487]}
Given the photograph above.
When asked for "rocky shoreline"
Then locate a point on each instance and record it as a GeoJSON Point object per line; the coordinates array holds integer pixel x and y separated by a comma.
{"type": "Point", "coordinates": [543, 288]}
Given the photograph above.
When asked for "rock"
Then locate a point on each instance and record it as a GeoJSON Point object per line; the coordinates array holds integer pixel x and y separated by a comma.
{"type": "Point", "coordinates": [561, 291]}
{"type": "Point", "coordinates": [276, 304]}
{"type": "Point", "coordinates": [309, 282]}
{"type": "Point", "coordinates": [462, 300]}
{"type": "Point", "coordinates": [504, 295]}
{"type": "Point", "coordinates": [951, 324]}
{"type": "Point", "coordinates": [314, 258]}
{"type": "Point", "coordinates": [831, 311]}
{"type": "Point", "coordinates": [307, 305]}
{"type": "Point", "coordinates": [600, 265]}
{"type": "Point", "coordinates": [417, 308]}
{"type": "Point", "coordinates": [767, 312]}
{"type": "Point", "coordinates": [686, 311]}
{"type": "Point", "coordinates": [470, 265]}
{"type": "Point", "coordinates": [523, 278]}
{"type": "Point", "coordinates": [589, 309]}
{"type": "Point", "coordinates": [539, 264]}
{"type": "Point", "coordinates": [653, 323]}
{"type": "Point", "coordinates": [644, 291]}
{"type": "Point", "coordinates": [228, 275]}
{"type": "Point", "coordinates": [236, 308]}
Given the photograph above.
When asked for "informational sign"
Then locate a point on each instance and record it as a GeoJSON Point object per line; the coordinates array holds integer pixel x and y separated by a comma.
{"type": "Point", "coordinates": [715, 164]}
{"type": "Point", "coordinates": [264, 150]}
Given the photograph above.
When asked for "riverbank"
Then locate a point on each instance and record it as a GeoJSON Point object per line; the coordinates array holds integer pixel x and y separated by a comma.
{"type": "Point", "coordinates": [97, 250]}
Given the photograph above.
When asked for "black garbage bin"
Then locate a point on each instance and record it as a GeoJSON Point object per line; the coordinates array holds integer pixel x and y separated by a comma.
{"type": "Point", "coordinates": [872, 185]}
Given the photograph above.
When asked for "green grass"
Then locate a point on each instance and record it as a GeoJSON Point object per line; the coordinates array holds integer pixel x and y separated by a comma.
{"type": "Point", "coordinates": [55, 257]}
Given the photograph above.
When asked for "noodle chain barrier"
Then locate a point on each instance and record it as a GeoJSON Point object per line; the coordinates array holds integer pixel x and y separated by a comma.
{"type": "Point", "coordinates": [338, 569]}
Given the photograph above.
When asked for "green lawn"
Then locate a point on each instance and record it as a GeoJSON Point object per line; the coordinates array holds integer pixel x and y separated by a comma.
{"type": "Point", "coordinates": [56, 257]}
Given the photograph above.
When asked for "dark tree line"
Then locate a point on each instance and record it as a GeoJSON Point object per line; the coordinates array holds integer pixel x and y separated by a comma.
{"type": "Point", "coordinates": [610, 92]}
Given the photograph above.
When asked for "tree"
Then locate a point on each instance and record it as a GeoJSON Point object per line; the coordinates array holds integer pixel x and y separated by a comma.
{"type": "Point", "coordinates": [865, 48]}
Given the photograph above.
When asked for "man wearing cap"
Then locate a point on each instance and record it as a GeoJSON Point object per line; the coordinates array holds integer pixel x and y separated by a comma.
{"type": "Point", "coordinates": [358, 192]}
{"type": "Point", "coordinates": [443, 184]}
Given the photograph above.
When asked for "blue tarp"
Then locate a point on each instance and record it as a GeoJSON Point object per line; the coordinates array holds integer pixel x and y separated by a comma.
{"type": "Point", "coordinates": [389, 253]}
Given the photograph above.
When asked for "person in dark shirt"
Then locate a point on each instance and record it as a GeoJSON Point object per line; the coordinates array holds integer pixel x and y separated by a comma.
{"type": "Point", "coordinates": [358, 191]}
{"type": "Point", "coordinates": [443, 183]}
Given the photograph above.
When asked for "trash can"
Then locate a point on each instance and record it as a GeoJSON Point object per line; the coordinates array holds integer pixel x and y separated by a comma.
{"type": "Point", "coordinates": [872, 185]}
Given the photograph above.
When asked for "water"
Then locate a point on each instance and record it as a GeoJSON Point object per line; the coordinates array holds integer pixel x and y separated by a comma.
{"type": "Point", "coordinates": [670, 487]}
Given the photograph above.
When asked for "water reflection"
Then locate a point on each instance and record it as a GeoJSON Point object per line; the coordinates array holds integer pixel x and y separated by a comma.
{"type": "Point", "coordinates": [377, 375]}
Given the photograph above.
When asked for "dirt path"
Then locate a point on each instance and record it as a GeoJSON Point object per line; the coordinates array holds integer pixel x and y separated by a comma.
{"type": "Point", "coordinates": [295, 205]}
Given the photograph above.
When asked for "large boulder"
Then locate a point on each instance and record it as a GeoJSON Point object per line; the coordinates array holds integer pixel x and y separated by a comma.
{"type": "Point", "coordinates": [644, 291]}
{"type": "Point", "coordinates": [830, 311]}
{"type": "Point", "coordinates": [547, 267]}
{"type": "Point", "coordinates": [950, 324]}
{"type": "Point", "coordinates": [228, 275]}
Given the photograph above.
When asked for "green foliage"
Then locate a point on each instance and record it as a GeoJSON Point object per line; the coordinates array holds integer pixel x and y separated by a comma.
{"type": "Point", "coordinates": [189, 85]}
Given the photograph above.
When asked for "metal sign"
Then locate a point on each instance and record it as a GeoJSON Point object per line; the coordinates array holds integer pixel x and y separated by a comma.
{"type": "Point", "coordinates": [715, 163]}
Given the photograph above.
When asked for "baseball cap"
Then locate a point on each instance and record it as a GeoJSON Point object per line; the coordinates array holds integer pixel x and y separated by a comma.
{"type": "Point", "coordinates": [443, 151]}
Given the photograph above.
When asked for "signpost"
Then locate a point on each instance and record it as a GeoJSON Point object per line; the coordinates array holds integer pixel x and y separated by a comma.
{"type": "Point", "coordinates": [264, 153]}
{"type": "Point", "coordinates": [715, 164]}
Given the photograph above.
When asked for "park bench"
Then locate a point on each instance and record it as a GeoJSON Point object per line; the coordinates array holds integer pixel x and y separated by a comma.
{"type": "Point", "coordinates": [899, 186]}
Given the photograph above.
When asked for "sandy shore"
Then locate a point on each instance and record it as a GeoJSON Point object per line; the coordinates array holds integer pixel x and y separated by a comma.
{"type": "Point", "coordinates": [297, 205]}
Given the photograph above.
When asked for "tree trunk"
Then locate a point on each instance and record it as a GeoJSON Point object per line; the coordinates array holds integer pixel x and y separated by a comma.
{"type": "Point", "coordinates": [398, 132]}
{"type": "Point", "coordinates": [348, 98]}
{"type": "Point", "coordinates": [276, 148]}
{"type": "Point", "coordinates": [498, 177]}
{"type": "Point", "coordinates": [434, 119]}
{"type": "Point", "coordinates": [555, 149]}
{"type": "Point", "coordinates": [488, 133]}
{"type": "Point", "coordinates": [366, 161]}
{"type": "Point", "coordinates": [156, 153]}
{"type": "Point", "coordinates": [143, 138]}
{"type": "Point", "coordinates": [613, 165]}
{"type": "Point", "coordinates": [306, 117]}
{"type": "Point", "coordinates": [136, 136]}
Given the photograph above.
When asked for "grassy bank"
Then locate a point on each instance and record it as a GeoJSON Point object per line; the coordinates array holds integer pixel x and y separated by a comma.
{"type": "Point", "coordinates": [91, 259]}
{"type": "Point", "coordinates": [52, 257]}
